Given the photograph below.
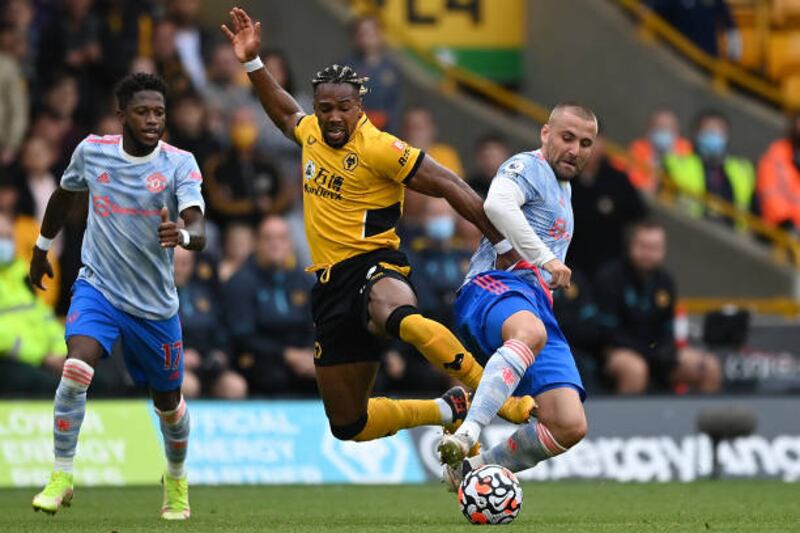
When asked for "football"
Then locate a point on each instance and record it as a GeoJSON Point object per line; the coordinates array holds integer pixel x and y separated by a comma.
{"type": "Point", "coordinates": [490, 494]}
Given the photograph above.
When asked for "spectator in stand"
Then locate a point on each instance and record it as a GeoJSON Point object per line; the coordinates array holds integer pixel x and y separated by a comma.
{"type": "Point", "coordinates": [267, 304]}
{"type": "Point", "coordinates": [702, 21]}
{"type": "Point", "coordinates": [712, 169]}
{"type": "Point", "coordinates": [192, 41]}
{"type": "Point", "coordinates": [661, 139]}
{"type": "Point", "coordinates": [779, 180]}
{"type": "Point", "coordinates": [205, 339]}
{"type": "Point", "coordinates": [13, 105]}
{"type": "Point", "coordinates": [636, 301]}
{"type": "Point", "coordinates": [32, 347]}
{"type": "Point", "coordinates": [576, 313]}
{"type": "Point", "coordinates": [188, 130]}
{"type": "Point", "coordinates": [168, 61]}
{"type": "Point", "coordinates": [243, 185]}
{"type": "Point", "coordinates": [36, 180]}
{"type": "Point", "coordinates": [125, 25]}
{"type": "Point", "coordinates": [382, 102]}
{"type": "Point", "coordinates": [71, 43]}
{"type": "Point", "coordinates": [285, 152]}
{"type": "Point", "coordinates": [419, 130]}
{"type": "Point", "coordinates": [238, 246]}
{"type": "Point", "coordinates": [491, 151]}
{"type": "Point", "coordinates": [224, 93]}
{"type": "Point", "coordinates": [26, 230]}
{"type": "Point", "coordinates": [20, 36]}
{"type": "Point", "coordinates": [60, 121]}
{"type": "Point", "coordinates": [604, 203]}
{"type": "Point", "coordinates": [439, 261]}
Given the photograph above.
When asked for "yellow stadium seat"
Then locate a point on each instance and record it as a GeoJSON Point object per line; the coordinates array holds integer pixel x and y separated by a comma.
{"type": "Point", "coordinates": [783, 56]}
{"type": "Point", "coordinates": [790, 86]}
{"type": "Point", "coordinates": [784, 11]}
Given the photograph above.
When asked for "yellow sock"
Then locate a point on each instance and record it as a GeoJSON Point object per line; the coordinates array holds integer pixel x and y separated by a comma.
{"type": "Point", "coordinates": [386, 417]}
{"type": "Point", "coordinates": [441, 348]}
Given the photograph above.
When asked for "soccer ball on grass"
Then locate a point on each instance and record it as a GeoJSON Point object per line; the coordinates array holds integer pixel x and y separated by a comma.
{"type": "Point", "coordinates": [491, 495]}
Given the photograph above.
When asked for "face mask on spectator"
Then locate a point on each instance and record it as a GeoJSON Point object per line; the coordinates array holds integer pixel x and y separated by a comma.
{"type": "Point", "coordinates": [243, 136]}
{"type": "Point", "coordinates": [7, 251]}
{"type": "Point", "coordinates": [440, 228]}
{"type": "Point", "coordinates": [711, 143]}
{"type": "Point", "coordinates": [663, 140]}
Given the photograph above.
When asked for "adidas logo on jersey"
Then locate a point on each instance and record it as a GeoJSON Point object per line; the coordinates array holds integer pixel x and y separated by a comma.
{"type": "Point", "coordinates": [103, 178]}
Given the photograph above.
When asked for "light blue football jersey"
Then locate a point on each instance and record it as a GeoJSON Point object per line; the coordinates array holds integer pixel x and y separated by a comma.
{"type": "Point", "coordinates": [121, 255]}
{"type": "Point", "coordinates": [547, 207]}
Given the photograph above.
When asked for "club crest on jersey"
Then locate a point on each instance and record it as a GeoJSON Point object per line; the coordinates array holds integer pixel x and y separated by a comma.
{"type": "Point", "coordinates": [515, 167]}
{"type": "Point", "coordinates": [350, 161]}
{"type": "Point", "coordinates": [309, 170]}
{"type": "Point", "coordinates": [156, 182]}
{"type": "Point", "coordinates": [103, 178]}
{"type": "Point", "coordinates": [311, 140]}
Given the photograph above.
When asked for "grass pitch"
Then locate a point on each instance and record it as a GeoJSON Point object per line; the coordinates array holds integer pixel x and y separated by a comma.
{"type": "Point", "coordinates": [564, 506]}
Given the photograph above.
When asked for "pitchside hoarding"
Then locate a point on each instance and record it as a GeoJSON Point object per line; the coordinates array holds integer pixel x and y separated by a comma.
{"type": "Point", "coordinates": [644, 439]}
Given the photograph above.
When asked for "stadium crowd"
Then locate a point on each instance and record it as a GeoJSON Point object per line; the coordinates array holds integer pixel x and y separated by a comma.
{"type": "Point", "coordinates": [245, 300]}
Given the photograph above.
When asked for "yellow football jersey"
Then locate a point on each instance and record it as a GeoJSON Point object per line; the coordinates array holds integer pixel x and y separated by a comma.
{"type": "Point", "coordinates": [353, 195]}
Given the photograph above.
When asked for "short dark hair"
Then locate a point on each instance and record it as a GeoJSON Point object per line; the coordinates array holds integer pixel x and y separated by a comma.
{"type": "Point", "coordinates": [134, 83]}
{"type": "Point", "coordinates": [641, 225]}
{"type": "Point", "coordinates": [707, 114]}
{"type": "Point", "coordinates": [493, 137]}
{"type": "Point", "coordinates": [341, 74]}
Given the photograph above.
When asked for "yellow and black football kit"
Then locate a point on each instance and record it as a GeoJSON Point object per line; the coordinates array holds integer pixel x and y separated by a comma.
{"type": "Point", "coordinates": [352, 201]}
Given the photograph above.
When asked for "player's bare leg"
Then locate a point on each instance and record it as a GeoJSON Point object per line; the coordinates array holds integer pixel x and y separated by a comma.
{"type": "Point", "coordinates": [69, 408]}
{"type": "Point", "coordinates": [560, 424]}
{"type": "Point", "coordinates": [393, 311]}
{"type": "Point", "coordinates": [353, 415]}
{"type": "Point", "coordinates": [174, 415]}
{"type": "Point", "coordinates": [524, 336]}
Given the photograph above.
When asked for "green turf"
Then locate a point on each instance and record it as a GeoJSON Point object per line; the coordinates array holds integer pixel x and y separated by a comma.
{"type": "Point", "coordinates": [567, 506]}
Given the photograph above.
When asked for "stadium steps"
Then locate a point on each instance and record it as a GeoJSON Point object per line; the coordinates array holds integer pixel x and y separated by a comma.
{"type": "Point", "coordinates": [708, 261]}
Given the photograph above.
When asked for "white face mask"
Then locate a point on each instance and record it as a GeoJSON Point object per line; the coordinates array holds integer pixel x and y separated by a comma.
{"type": "Point", "coordinates": [7, 251]}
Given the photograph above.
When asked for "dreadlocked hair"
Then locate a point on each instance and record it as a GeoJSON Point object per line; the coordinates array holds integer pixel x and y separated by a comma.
{"type": "Point", "coordinates": [341, 74]}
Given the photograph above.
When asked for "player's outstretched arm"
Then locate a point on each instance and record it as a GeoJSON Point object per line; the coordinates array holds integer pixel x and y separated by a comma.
{"type": "Point", "coordinates": [503, 207]}
{"type": "Point", "coordinates": [433, 179]}
{"type": "Point", "coordinates": [59, 205]}
{"type": "Point", "coordinates": [192, 236]}
{"type": "Point", "coordinates": [245, 38]}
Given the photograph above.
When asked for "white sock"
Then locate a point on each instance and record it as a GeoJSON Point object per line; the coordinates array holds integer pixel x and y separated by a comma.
{"type": "Point", "coordinates": [445, 411]}
{"type": "Point", "coordinates": [64, 464]}
{"type": "Point", "coordinates": [176, 470]}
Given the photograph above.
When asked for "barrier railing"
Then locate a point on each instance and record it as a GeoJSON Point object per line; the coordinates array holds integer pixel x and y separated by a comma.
{"type": "Point", "coordinates": [787, 248]}
{"type": "Point", "coordinates": [723, 72]}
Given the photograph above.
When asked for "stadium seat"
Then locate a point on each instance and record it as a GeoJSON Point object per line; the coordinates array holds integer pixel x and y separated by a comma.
{"type": "Point", "coordinates": [783, 56]}
{"type": "Point", "coordinates": [790, 86]}
{"type": "Point", "coordinates": [783, 12]}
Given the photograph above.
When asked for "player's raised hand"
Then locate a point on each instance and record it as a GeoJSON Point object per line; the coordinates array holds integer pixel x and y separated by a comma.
{"type": "Point", "coordinates": [40, 266]}
{"type": "Point", "coordinates": [560, 274]}
{"type": "Point", "coordinates": [245, 37]}
{"type": "Point", "coordinates": [168, 235]}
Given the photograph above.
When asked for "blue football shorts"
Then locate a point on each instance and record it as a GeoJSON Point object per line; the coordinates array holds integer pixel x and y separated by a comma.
{"type": "Point", "coordinates": [153, 349]}
{"type": "Point", "coordinates": [484, 304]}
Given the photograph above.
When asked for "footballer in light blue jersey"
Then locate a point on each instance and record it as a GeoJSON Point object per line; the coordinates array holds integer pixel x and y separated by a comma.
{"type": "Point", "coordinates": [506, 316]}
{"type": "Point", "coordinates": [547, 208]}
{"type": "Point", "coordinates": [137, 186]}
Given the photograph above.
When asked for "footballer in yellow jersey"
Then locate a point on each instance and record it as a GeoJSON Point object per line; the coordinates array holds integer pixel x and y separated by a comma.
{"type": "Point", "coordinates": [353, 185]}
